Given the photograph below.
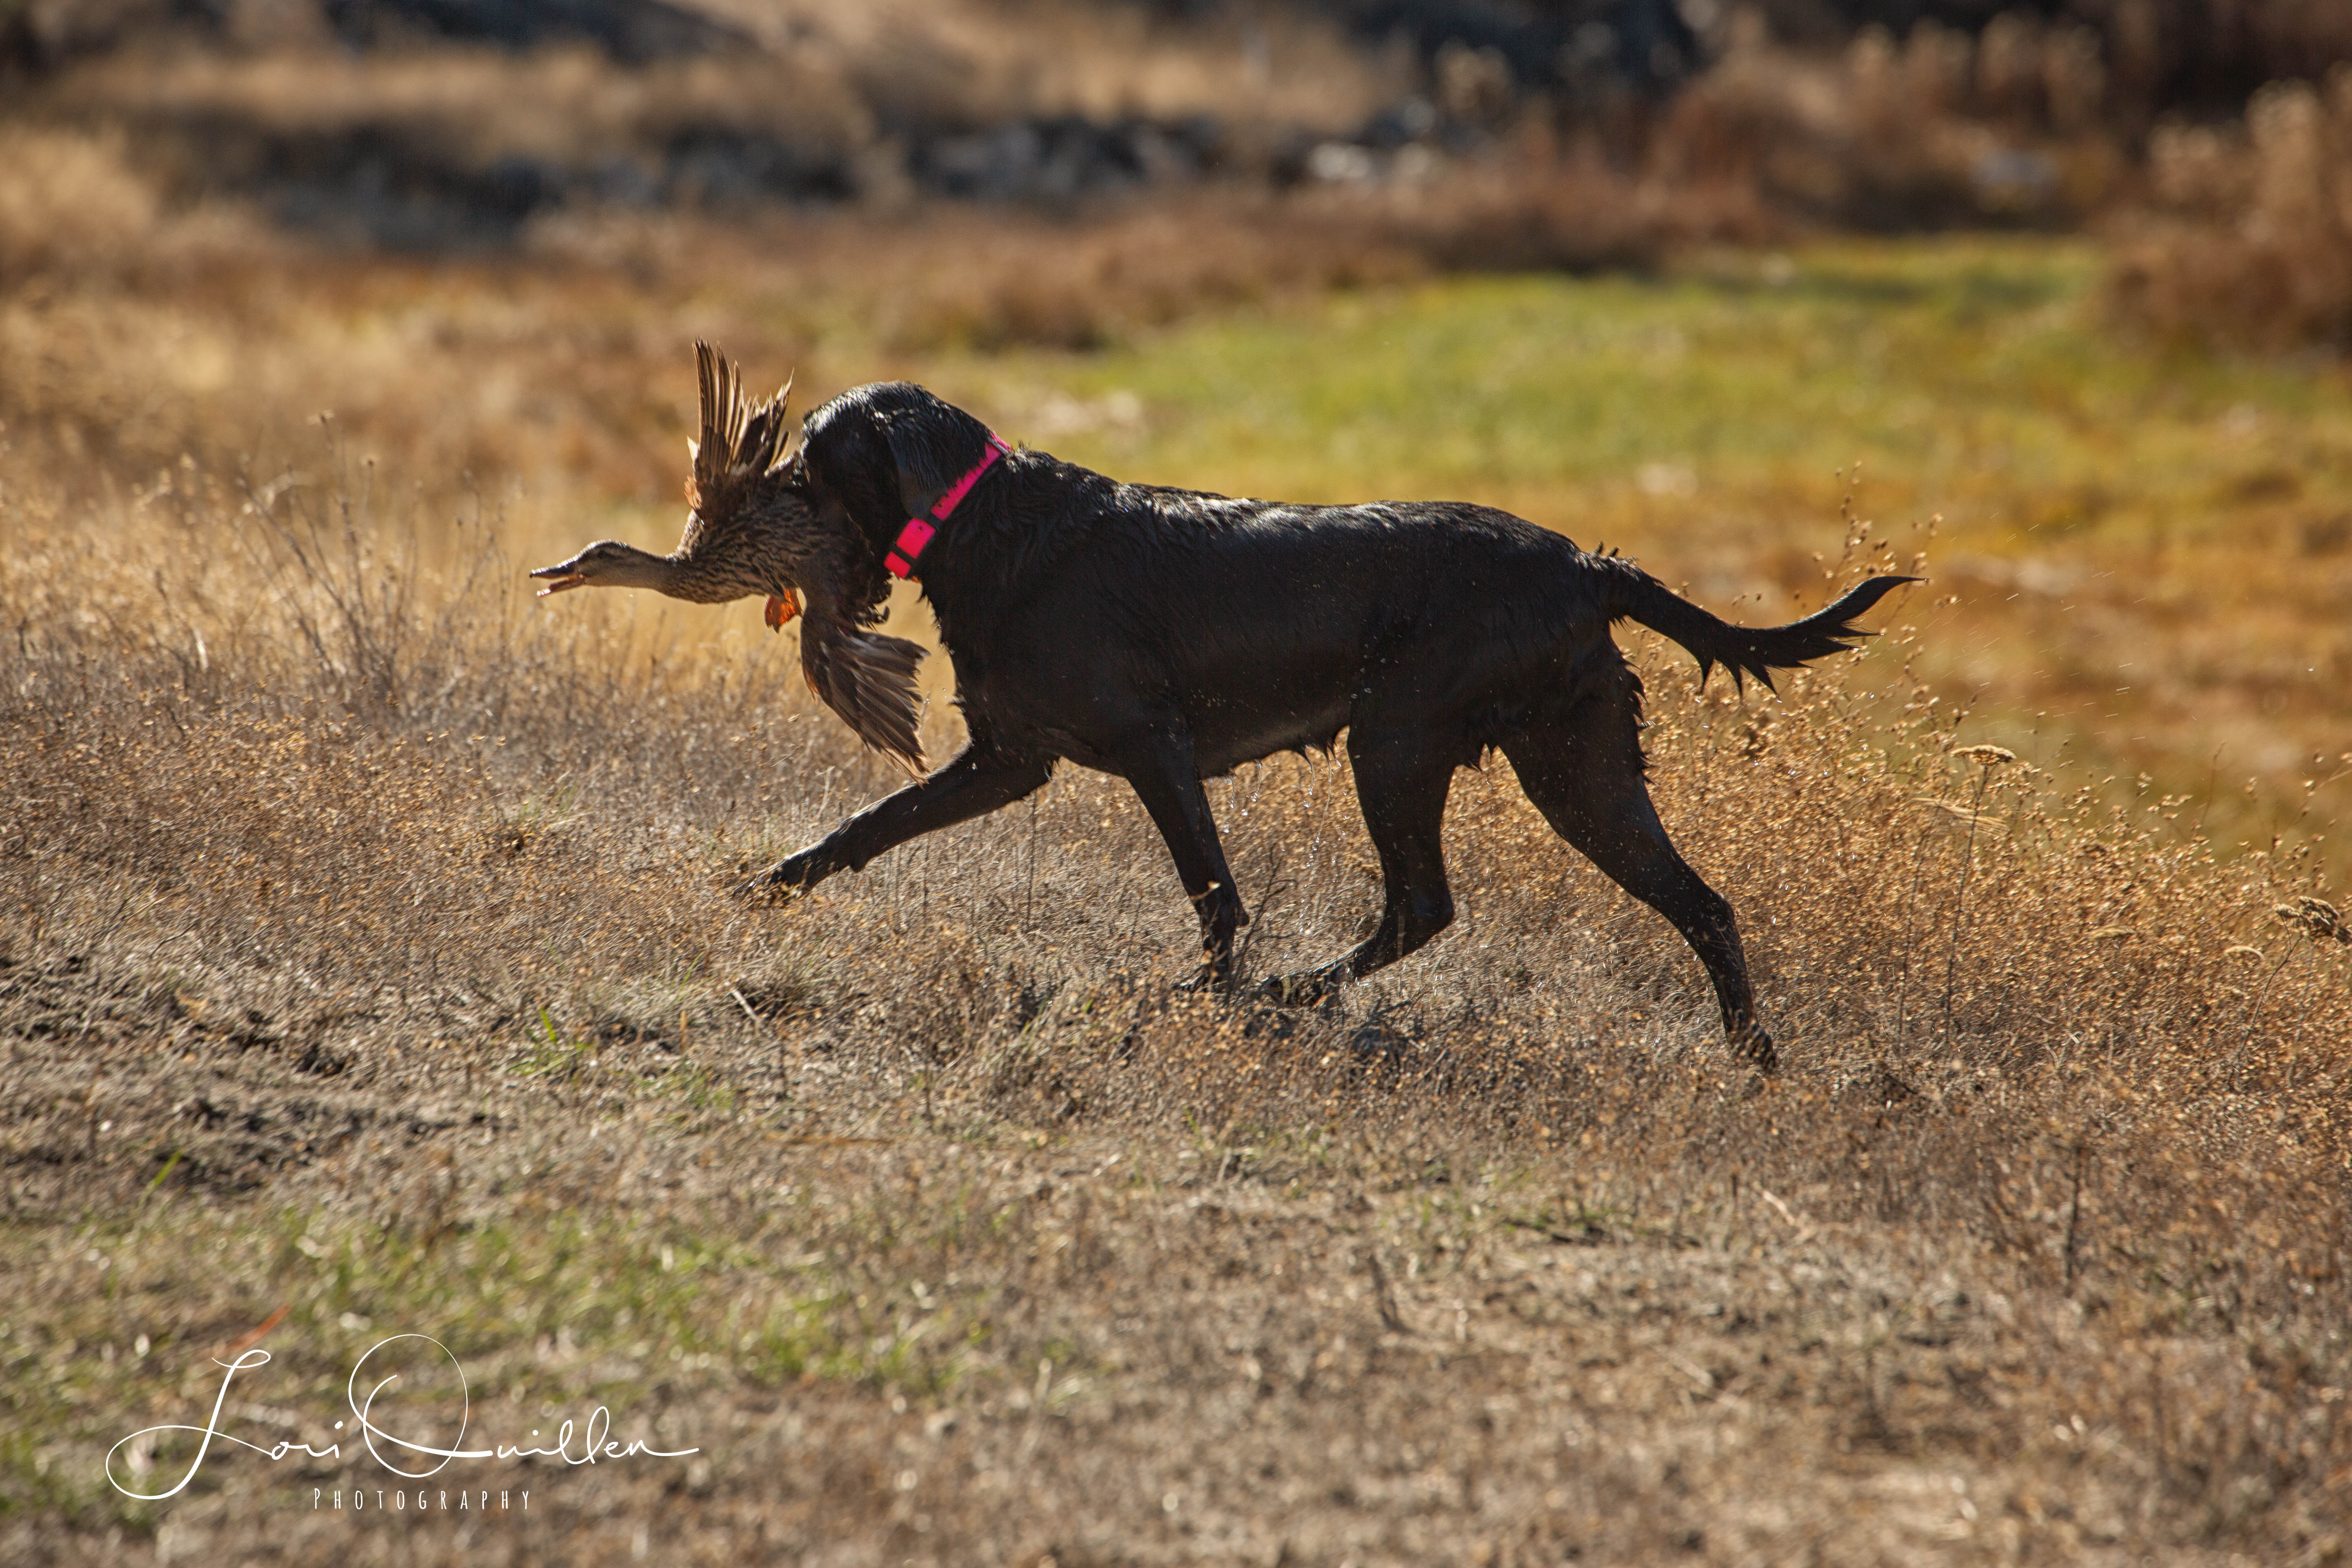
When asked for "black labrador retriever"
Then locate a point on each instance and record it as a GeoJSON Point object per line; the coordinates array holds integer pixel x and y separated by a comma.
{"type": "Point", "coordinates": [1166, 635]}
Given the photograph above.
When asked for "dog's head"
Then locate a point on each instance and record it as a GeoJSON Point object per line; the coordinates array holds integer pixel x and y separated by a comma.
{"type": "Point", "coordinates": [887, 452]}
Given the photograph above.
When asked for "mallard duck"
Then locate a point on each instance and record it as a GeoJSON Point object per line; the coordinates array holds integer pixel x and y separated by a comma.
{"type": "Point", "coordinates": [748, 533]}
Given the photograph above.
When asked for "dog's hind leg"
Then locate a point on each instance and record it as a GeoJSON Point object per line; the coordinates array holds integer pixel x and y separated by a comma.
{"type": "Point", "coordinates": [1161, 769]}
{"type": "Point", "coordinates": [1401, 787]}
{"type": "Point", "coordinates": [1585, 773]}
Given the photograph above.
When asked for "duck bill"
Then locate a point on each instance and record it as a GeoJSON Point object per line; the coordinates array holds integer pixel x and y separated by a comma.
{"type": "Point", "coordinates": [558, 578]}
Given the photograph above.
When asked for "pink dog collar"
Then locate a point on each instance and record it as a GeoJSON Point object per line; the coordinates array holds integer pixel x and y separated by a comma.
{"type": "Point", "coordinates": [918, 533]}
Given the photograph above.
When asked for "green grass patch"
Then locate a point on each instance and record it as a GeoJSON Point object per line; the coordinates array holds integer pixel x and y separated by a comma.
{"type": "Point", "coordinates": [1970, 376]}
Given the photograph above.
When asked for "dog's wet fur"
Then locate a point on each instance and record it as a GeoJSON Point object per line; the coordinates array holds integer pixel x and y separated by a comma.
{"type": "Point", "coordinates": [1168, 636]}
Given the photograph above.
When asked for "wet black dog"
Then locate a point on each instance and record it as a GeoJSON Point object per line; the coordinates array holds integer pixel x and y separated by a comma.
{"type": "Point", "coordinates": [1166, 635]}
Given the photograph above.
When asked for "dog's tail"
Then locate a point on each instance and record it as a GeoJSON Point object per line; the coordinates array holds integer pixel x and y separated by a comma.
{"type": "Point", "coordinates": [1633, 595]}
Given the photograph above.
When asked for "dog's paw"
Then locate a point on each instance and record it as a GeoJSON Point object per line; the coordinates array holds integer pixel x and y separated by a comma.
{"type": "Point", "coordinates": [782, 883]}
{"type": "Point", "coordinates": [1303, 989]}
{"type": "Point", "coordinates": [1751, 1042]}
{"type": "Point", "coordinates": [1211, 979]}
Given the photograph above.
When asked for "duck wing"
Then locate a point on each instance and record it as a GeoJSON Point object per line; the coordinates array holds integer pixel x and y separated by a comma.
{"type": "Point", "coordinates": [869, 679]}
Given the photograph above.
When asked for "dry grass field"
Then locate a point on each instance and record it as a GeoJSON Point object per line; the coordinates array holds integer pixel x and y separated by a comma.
{"type": "Point", "coordinates": [366, 970]}
{"type": "Point", "coordinates": [368, 974]}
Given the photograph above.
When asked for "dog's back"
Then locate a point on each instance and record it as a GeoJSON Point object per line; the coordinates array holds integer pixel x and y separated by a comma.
{"type": "Point", "coordinates": [1268, 624]}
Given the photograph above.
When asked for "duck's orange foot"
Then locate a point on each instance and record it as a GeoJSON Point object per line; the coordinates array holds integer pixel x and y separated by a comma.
{"type": "Point", "coordinates": [782, 608]}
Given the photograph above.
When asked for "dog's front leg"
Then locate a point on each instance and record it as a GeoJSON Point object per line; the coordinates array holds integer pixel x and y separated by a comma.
{"type": "Point", "coordinates": [976, 783]}
{"type": "Point", "coordinates": [1163, 770]}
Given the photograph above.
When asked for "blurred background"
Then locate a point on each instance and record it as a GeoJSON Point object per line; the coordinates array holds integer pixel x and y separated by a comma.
{"type": "Point", "coordinates": [2051, 300]}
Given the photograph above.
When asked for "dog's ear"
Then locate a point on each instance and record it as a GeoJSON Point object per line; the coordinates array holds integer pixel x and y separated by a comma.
{"type": "Point", "coordinates": [932, 447]}
{"type": "Point", "coordinates": [890, 451]}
